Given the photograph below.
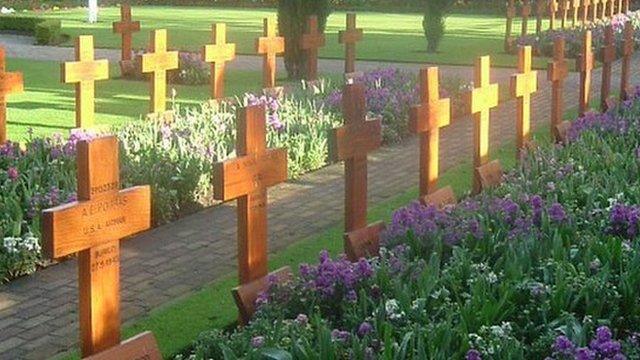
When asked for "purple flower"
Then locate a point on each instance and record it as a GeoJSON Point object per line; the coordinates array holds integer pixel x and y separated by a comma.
{"type": "Point", "coordinates": [557, 213]}
{"type": "Point", "coordinates": [473, 354]}
{"type": "Point", "coordinates": [584, 354]}
{"type": "Point", "coordinates": [364, 329]}
{"type": "Point", "coordinates": [13, 174]}
{"type": "Point", "coordinates": [257, 341]}
{"type": "Point", "coordinates": [340, 336]}
{"type": "Point", "coordinates": [563, 345]}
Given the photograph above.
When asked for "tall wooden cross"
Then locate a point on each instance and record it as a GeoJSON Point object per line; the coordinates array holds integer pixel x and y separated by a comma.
{"type": "Point", "coordinates": [553, 10]}
{"type": "Point", "coordinates": [482, 98]}
{"type": "Point", "coordinates": [269, 46]}
{"type": "Point", "coordinates": [247, 178]}
{"type": "Point", "coordinates": [585, 11]}
{"type": "Point", "coordinates": [349, 38]}
{"type": "Point", "coordinates": [218, 54]}
{"type": "Point", "coordinates": [351, 143]}
{"type": "Point", "coordinates": [311, 42]}
{"type": "Point", "coordinates": [619, 7]}
{"type": "Point", "coordinates": [523, 85]}
{"type": "Point", "coordinates": [84, 72]}
{"type": "Point", "coordinates": [426, 120]}
{"type": "Point", "coordinates": [126, 28]}
{"type": "Point", "coordinates": [564, 9]}
{"type": "Point", "coordinates": [557, 72]}
{"type": "Point", "coordinates": [594, 10]}
{"type": "Point", "coordinates": [610, 8]}
{"type": "Point", "coordinates": [92, 228]}
{"type": "Point", "coordinates": [608, 55]}
{"type": "Point", "coordinates": [10, 83]}
{"type": "Point", "coordinates": [511, 14]}
{"type": "Point", "coordinates": [158, 61]}
{"type": "Point", "coordinates": [625, 6]}
{"type": "Point", "coordinates": [603, 9]}
{"type": "Point", "coordinates": [541, 6]}
{"type": "Point", "coordinates": [526, 12]}
{"type": "Point", "coordinates": [575, 7]}
{"type": "Point", "coordinates": [584, 64]}
{"type": "Point", "coordinates": [627, 50]}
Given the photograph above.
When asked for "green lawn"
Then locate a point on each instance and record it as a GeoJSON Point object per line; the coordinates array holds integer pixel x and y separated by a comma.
{"type": "Point", "coordinates": [388, 37]}
{"type": "Point", "coordinates": [47, 105]}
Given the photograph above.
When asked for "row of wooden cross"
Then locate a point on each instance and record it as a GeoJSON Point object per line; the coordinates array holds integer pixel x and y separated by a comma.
{"type": "Point", "coordinates": [85, 70]}
{"type": "Point", "coordinates": [93, 226]}
{"type": "Point", "coordinates": [579, 11]}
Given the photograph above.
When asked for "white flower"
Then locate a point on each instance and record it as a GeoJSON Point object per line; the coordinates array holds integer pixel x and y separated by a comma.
{"type": "Point", "coordinates": [11, 244]}
{"type": "Point", "coordinates": [5, 10]}
{"type": "Point", "coordinates": [391, 307]}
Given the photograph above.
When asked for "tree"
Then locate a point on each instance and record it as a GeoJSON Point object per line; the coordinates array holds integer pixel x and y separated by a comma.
{"type": "Point", "coordinates": [292, 23]}
{"type": "Point", "coordinates": [433, 22]}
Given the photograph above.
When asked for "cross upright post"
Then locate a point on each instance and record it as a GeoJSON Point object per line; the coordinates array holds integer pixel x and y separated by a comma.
{"type": "Point", "coordinates": [92, 228]}
{"type": "Point", "coordinates": [349, 38]}
{"type": "Point", "coordinates": [218, 54]}
{"type": "Point", "coordinates": [557, 72]}
{"type": "Point", "coordinates": [269, 46]}
{"type": "Point", "coordinates": [608, 55]}
{"type": "Point", "coordinates": [553, 9]}
{"type": "Point", "coordinates": [526, 12]}
{"type": "Point", "coordinates": [523, 84]}
{"type": "Point", "coordinates": [10, 83]}
{"type": "Point", "coordinates": [126, 28]}
{"type": "Point", "coordinates": [310, 43]}
{"type": "Point", "coordinates": [158, 62]}
{"type": "Point", "coordinates": [627, 50]}
{"type": "Point", "coordinates": [84, 72]}
{"type": "Point", "coordinates": [584, 64]}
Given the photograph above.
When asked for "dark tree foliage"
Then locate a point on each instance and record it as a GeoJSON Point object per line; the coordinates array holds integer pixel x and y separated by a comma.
{"type": "Point", "coordinates": [433, 22]}
{"type": "Point", "coordinates": [292, 23]}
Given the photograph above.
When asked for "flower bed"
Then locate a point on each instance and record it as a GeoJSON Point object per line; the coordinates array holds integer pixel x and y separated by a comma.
{"type": "Point", "coordinates": [543, 42]}
{"type": "Point", "coordinates": [545, 266]}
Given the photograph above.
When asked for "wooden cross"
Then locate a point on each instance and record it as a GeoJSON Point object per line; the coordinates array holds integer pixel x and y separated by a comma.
{"type": "Point", "coordinates": [92, 228]}
{"type": "Point", "coordinates": [350, 37]}
{"type": "Point", "coordinates": [540, 8]}
{"type": "Point", "coordinates": [523, 85]}
{"type": "Point", "coordinates": [557, 72]}
{"type": "Point", "coordinates": [269, 46]}
{"type": "Point", "coordinates": [526, 12]}
{"type": "Point", "coordinates": [247, 178]}
{"type": "Point", "coordinates": [218, 54]}
{"type": "Point", "coordinates": [140, 347]}
{"type": "Point", "coordinates": [426, 120]}
{"type": "Point", "coordinates": [603, 9]}
{"type": "Point", "coordinates": [553, 9]}
{"type": "Point", "coordinates": [84, 72]}
{"type": "Point", "coordinates": [351, 143]}
{"type": "Point", "coordinates": [10, 83]}
{"type": "Point", "coordinates": [610, 8]}
{"type": "Point", "coordinates": [158, 61]}
{"type": "Point", "coordinates": [594, 10]}
{"type": "Point", "coordinates": [608, 55]}
{"type": "Point", "coordinates": [619, 7]}
{"type": "Point", "coordinates": [311, 42]}
{"type": "Point", "coordinates": [625, 6]}
{"type": "Point", "coordinates": [575, 6]}
{"type": "Point", "coordinates": [585, 11]}
{"type": "Point", "coordinates": [511, 14]}
{"type": "Point", "coordinates": [482, 98]}
{"type": "Point", "coordinates": [627, 50]}
{"type": "Point", "coordinates": [126, 28]}
{"type": "Point", "coordinates": [564, 8]}
{"type": "Point", "coordinates": [584, 64]}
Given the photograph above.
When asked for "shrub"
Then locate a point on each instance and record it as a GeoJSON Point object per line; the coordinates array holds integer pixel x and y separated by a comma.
{"type": "Point", "coordinates": [433, 22]}
{"type": "Point", "coordinates": [48, 32]}
{"type": "Point", "coordinates": [192, 70]}
{"type": "Point", "coordinates": [545, 266]}
{"type": "Point", "coordinates": [292, 23]}
{"type": "Point", "coordinates": [45, 31]}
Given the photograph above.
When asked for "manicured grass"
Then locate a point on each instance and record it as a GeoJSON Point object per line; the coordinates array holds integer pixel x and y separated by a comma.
{"type": "Point", "coordinates": [177, 324]}
{"type": "Point", "coordinates": [47, 105]}
{"type": "Point", "coordinates": [388, 37]}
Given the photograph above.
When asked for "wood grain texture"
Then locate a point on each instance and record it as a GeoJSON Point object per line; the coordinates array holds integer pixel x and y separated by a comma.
{"type": "Point", "coordinates": [628, 48]}
{"type": "Point", "coordinates": [482, 99]}
{"type": "Point", "coordinates": [585, 11]}
{"type": "Point", "coordinates": [490, 174]}
{"type": "Point", "coordinates": [126, 28]}
{"type": "Point", "coordinates": [426, 120]}
{"type": "Point", "coordinates": [440, 198]}
{"type": "Point", "coordinates": [83, 73]}
{"type": "Point", "coordinates": [270, 45]}
{"type": "Point", "coordinates": [157, 62]}
{"type": "Point", "coordinates": [140, 347]}
{"type": "Point", "coordinates": [523, 85]}
{"type": "Point", "coordinates": [363, 243]}
{"type": "Point", "coordinates": [246, 294]}
{"type": "Point", "coordinates": [311, 42]}
{"type": "Point", "coordinates": [557, 72]}
{"type": "Point", "coordinates": [608, 56]}
{"type": "Point", "coordinates": [584, 64]}
{"type": "Point", "coordinates": [218, 54]}
{"type": "Point", "coordinates": [352, 143]}
{"type": "Point", "coordinates": [93, 227]}
{"type": "Point", "coordinates": [10, 83]}
{"type": "Point", "coordinates": [247, 178]}
{"type": "Point", "coordinates": [350, 37]}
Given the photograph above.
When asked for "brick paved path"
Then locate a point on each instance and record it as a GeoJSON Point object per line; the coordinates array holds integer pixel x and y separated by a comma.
{"type": "Point", "coordinates": [38, 313]}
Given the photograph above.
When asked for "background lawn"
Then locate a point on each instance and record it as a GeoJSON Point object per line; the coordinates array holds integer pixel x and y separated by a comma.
{"type": "Point", "coordinates": [48, 106]}
{"type": "Point", "coordinates": [388, 37]}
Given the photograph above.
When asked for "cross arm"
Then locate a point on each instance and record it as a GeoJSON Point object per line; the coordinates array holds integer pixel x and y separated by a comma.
{"type": "Point", "coordinates": [120, 27]}
{"type": "Point", "coordinates": [219, 52]}
{"type": "Point", "coordinates": [522, 84]}
{"type": "Point", "coordinates": [438, 112]}
{"type": "Point", "coordinates": [557, 70]}
{"type": "Point", "coordinates": [11, 83]}
{"type": "Point", "coordinates": [353, 35]}
{"type": "Point", "coordinates": [70, 228]}
{"type": "Point", "coordinates": [484, 98]}
{"type": "Point", "coordinates": [350, 141]}
{"type": "Point", "coordinates": [77, 71]}
{"type": "Point", "coordinates": [234, 178]}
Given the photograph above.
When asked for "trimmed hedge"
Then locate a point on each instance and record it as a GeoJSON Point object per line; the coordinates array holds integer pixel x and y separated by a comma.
{"type": "Point", "coordinates": [45, 31]}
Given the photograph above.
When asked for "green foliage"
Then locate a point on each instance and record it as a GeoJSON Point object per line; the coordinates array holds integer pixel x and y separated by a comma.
{"type": "Point", "coordinates": [292, 23]}
{"type": "Point", "coordinates": [19, 24]}
{"type": "Point", "coordinates": [46, 31]}
{"type": "Point", "coordinates": [49, 32]}
{"type": "Point", "coordinates": [433, 21]}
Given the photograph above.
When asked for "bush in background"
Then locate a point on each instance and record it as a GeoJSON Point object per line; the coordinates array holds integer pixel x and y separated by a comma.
{"type": "Point", "coordinates": [433, 22]}
{"type": "Point", "coordinates": [292, 23]}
